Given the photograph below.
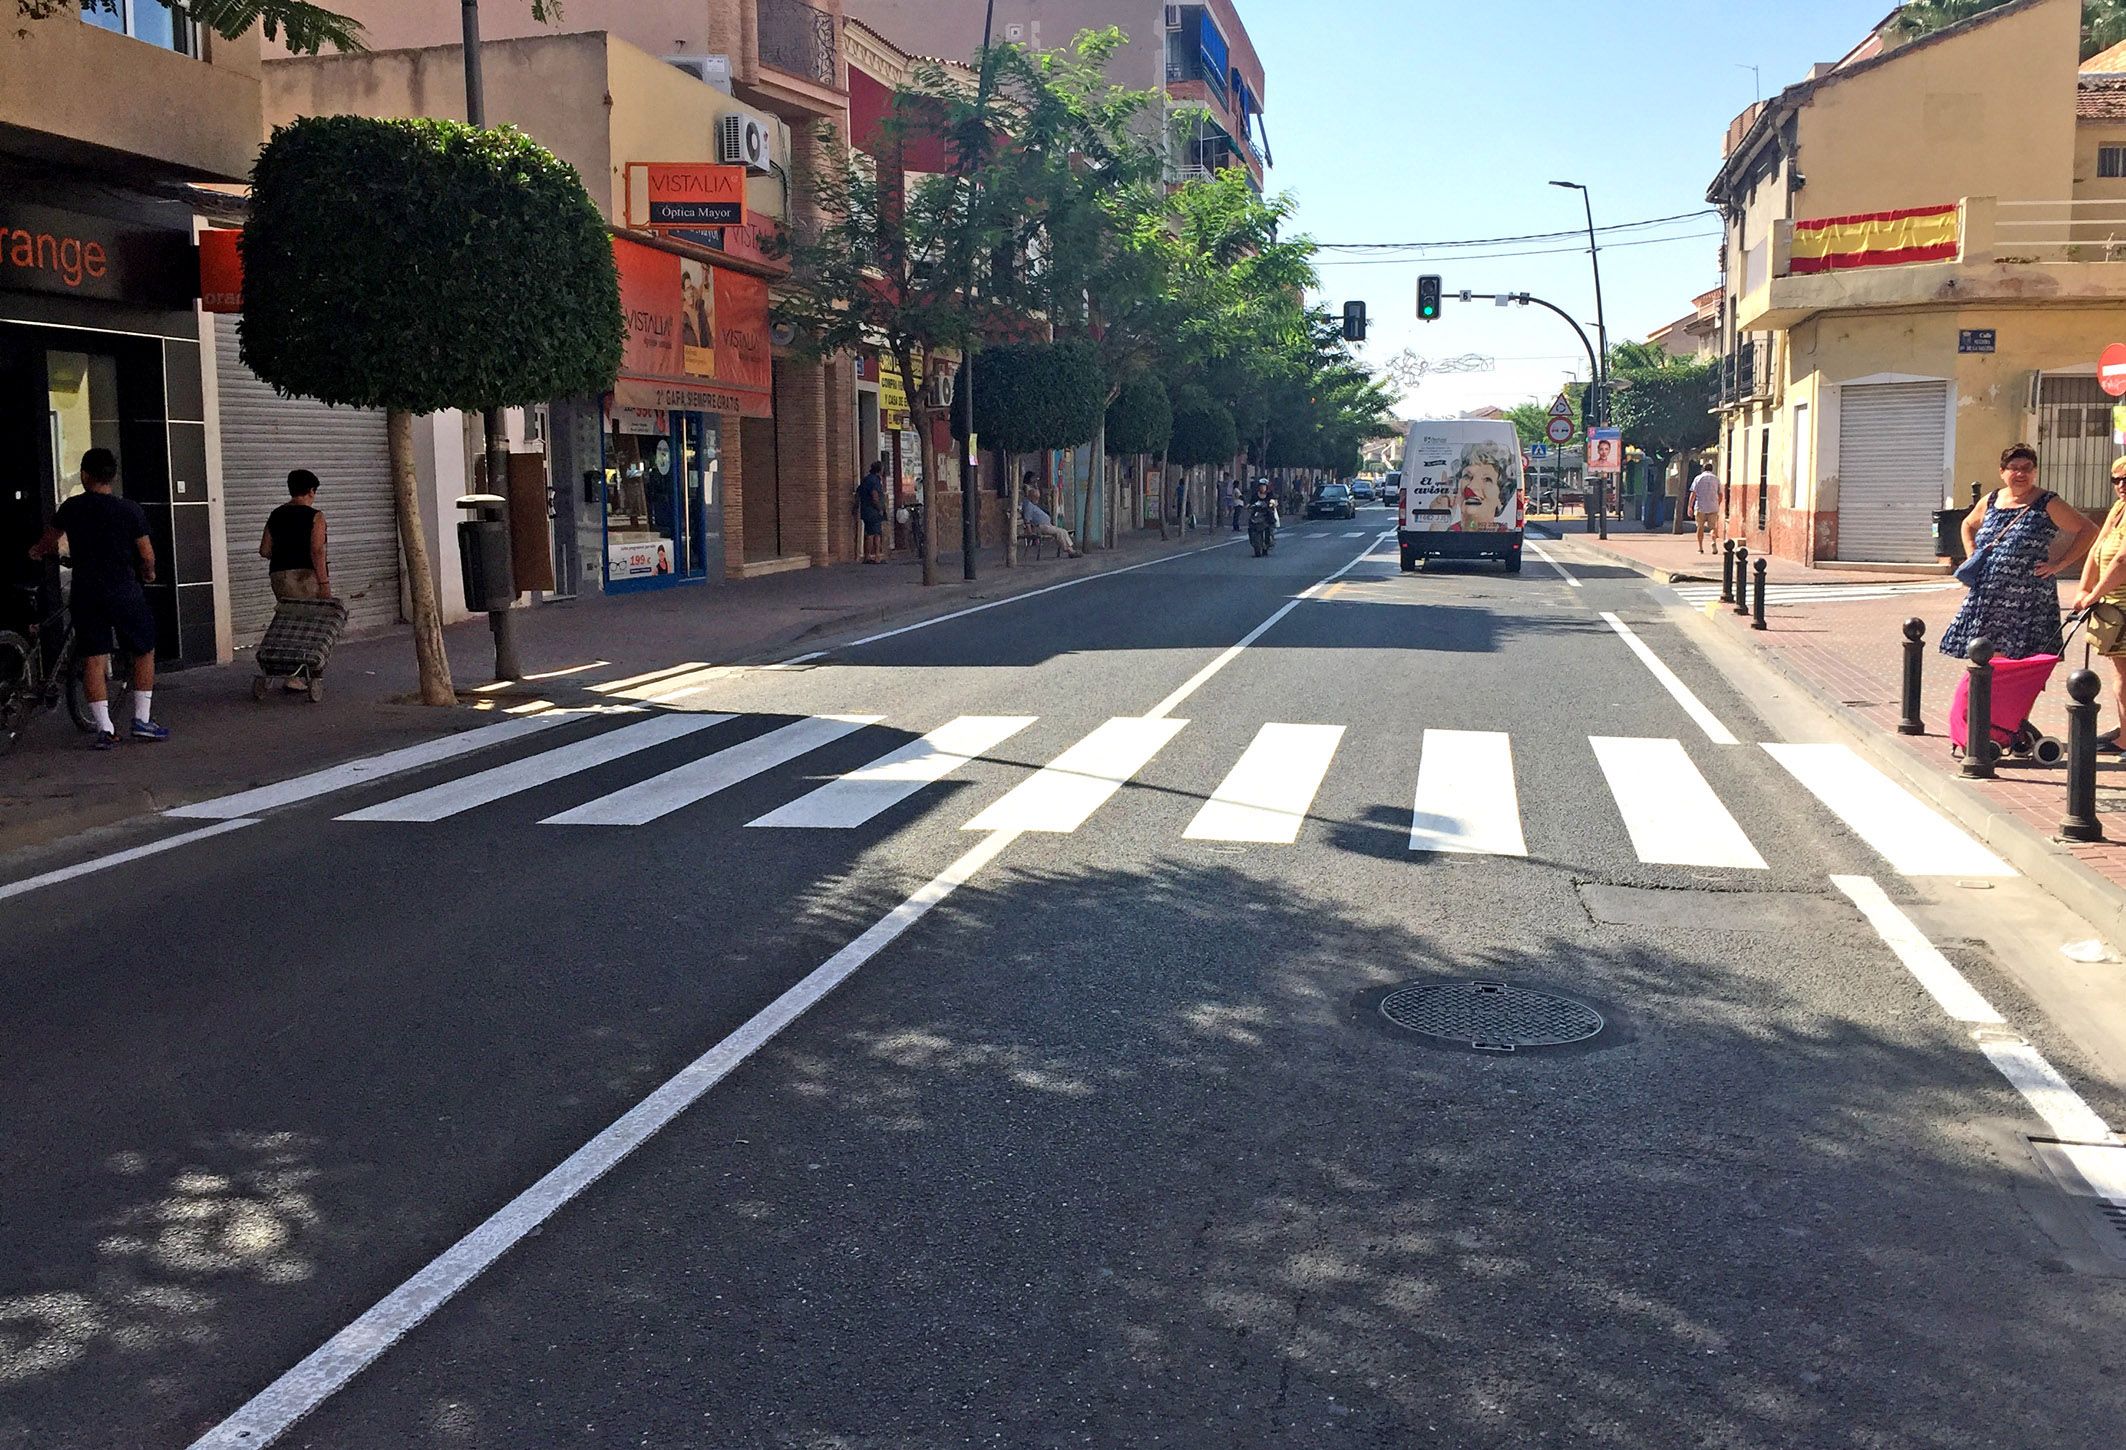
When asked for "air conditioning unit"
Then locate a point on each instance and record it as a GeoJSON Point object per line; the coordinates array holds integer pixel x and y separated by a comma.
{"type": "Point", "coordinates": [937, 390]}
{"type": "Point", "coordinates": [743, 141]}
{"type": "Point", "coordinates": [1015, 34]}
{"type": "Point", "coordinates": [712, 70]}
{"type": "Point", "coordinates": [1173, 17]}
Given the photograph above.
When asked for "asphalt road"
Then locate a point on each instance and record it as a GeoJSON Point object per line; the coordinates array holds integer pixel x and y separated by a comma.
{"type": "Point", "coordinates": [1114, 1146]}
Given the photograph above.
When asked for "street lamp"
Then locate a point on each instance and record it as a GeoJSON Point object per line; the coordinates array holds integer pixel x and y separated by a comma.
{"type": "Point", "coordinates": [1601, 382]}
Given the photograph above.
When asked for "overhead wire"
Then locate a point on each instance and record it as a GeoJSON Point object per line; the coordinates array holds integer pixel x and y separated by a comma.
{"type": "Point", "coordinates": [1501, 256]}
{"type": "Point", "coordinates": [1520, 237]}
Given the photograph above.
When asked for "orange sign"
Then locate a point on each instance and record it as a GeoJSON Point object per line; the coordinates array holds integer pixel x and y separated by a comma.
{"type": "Point", "coordinates": [690, 194]}
{"type": "Point", "coordinates": [221, 271]}
{"type": "Point", "coordinates": [697, 335]}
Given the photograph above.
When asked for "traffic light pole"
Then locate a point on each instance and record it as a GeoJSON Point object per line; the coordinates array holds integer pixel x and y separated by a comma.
{"type": "Point", "coordinates": [1590, 413]}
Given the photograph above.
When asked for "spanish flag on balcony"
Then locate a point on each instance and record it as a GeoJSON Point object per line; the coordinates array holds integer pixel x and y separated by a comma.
{"type": "Point", "coordinates": [1875, 239]}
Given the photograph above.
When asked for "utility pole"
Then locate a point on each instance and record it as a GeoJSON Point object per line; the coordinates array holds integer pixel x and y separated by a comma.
{"type": "Point", "coordinates": [970, 494]}
{"type": "Point", "coordinates": [1600, 516]}
{"type": "Point", "coordinates": [502, 622]}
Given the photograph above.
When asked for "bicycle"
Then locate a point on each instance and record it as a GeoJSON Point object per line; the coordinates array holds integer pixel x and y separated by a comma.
{"type": "Point", "coordinates": [28, 684]}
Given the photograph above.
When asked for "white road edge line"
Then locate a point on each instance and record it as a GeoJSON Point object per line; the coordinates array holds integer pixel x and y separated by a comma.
{"type": "Point", "coordinates": [119, 858]}
{"type": "Point", "coordinates": [2049, 1095]}
{"type": "Point", "coordinates": [1946, 985]}
{"type": "Point", "coordinates": [272, 1411]}
{"type": "Point", "coordinates": [1541, 553]}
{"type": "Point", "coordinates": [1203, 676]}
{"type": "Point", "coordinates": [1707, 721]}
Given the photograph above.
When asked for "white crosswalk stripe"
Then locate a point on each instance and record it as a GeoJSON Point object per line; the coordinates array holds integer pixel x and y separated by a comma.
{"type": "Point", "coordinates": [1062, 795]}
{"type": "Point", "coordinates": [1671, 813]}
{"type": "Point", "coordinates": [1787, 595]}
{"type": "Point", "coordinates": [1265, 797]}
{"type": "Point", "coordinates": [849, 801]}
{"type": "Point", "coordinates": [1912, 836]}
{"type": "Point", "coordinates": [697, 780]}
{"type": "Point", "coordinates": [454, 796]}
{"type": "Point", "coordinates": [1465, 795]}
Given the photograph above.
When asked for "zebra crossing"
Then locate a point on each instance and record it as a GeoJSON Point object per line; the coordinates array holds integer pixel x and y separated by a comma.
{"type": "Point", "coordinates": [1464, 792]}
{"type": "Point", "coordinates": [1787, 595]}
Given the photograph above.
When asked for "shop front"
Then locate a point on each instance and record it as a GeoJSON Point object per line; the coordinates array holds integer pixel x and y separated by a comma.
{"type": "Point", "coordinates": [651, 496]}
{"type": "Point", "coordinates": [99, 348]}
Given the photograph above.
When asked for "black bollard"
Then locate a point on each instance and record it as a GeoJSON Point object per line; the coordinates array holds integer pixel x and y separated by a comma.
{"type": "Point", "coordinates": [1757, 613]}
{"type": "Point", "coordinates": [1727, 571]}
{"type": "Point", "coordinates": [2081, 823]}
{"type": "Point", "coordinates": [1742, 577]}
{"type": "Point", "coordinates": [1915, 651]}
{"type": "Point", "coordinates": [1979, 749]}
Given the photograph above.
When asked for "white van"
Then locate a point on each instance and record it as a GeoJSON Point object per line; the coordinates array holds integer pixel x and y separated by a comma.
{"type": "Point", "coordinates": [1463, 492]}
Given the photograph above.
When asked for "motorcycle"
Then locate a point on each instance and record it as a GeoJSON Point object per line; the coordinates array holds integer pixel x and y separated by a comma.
{"type": "Point", "coordinates": [1262, 526]}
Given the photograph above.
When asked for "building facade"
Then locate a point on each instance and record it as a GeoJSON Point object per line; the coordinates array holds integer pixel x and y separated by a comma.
{"type": "Point", "coordinates": [1918, 271]}
{"type": "Point", "coordinates": [100, 330]}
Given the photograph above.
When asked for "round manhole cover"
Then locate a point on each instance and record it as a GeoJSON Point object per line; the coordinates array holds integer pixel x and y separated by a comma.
{"type": "Point", "coordinates": [1490, 1016]}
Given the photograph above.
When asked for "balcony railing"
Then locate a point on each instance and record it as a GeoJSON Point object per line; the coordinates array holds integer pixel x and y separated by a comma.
{"type": "Point", "coordinates": [1738, 373]}
{"type": "Point", "coordinates": [800, 41]}
{"type": "Point", "coordinates": [2082, 230]}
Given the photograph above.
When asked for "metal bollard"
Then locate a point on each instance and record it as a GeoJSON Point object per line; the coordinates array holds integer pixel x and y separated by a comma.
{"type": "Point", "coordinates": [1742, 577]}
{"type": "Point", "coordinates": [1915, 652]}
{"type": "Point", "coordinates": [2081, 823]}
{"type": "Point", "coordinates": [1757, 613]}
{"type": "Point", "coordinates": [1727, 571]}
{"type": "Point", "coordinates": [1979, 749]}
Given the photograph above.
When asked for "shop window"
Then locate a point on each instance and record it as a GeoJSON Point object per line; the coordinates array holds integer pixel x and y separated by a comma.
{"type": "Point", "coordinates": [148, 20]}
{"type": "Point", "coordinates": [81, 412]}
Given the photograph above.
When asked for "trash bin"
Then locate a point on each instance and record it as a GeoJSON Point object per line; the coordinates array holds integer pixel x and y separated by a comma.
{"type": "Point", "coordinates": [483, 552]}
{"type": "Point", "coordinates": [1949, 534]}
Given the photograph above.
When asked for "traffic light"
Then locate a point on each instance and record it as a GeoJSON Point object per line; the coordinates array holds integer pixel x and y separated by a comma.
{"type": "Point", "coordinates": [1354, 322]}
{"type": "Point", "coordinates": [1428, 290]}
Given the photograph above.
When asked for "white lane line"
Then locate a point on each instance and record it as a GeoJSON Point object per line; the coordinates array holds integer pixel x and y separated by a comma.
{"type": "Point", "coordinates": [1706, 720]}
{"type": "Point", "coordinates": [118, 858]}
{"type": "Point", "coordinates": [375, 768]}
{"type": "Point", "coordinates": [1062, 795]}
{"type": "Point", "coordinates": [1673, 815]}
{"type": "Point", "coordinates": [1466, 801]}
{"type": "Point", "coordinates": [1233, 652]}
{"type": "Point", "coordinates": [2062, 1108]}
{"type": "Point", "coordinates": [1946, 985]}
{"type": "Point", "coordinates": [272, 1411]}
{"type": "Point", "coordinates": [853, 799]}
{"type": "Point", "coordinates": [1016, 598]}
{"type": "Point", "coordinates": [1356, 534]}
{"type": "Point", "coordinates": [1913, 837]}
{"type": "Point", "coordinates": [1541, 553]}
{"type": "Point", "coordinates": [1265, 796]}
{"type": "Point", "coordinates": [453, 796]}
{"type": "Point", "coordinates": [697, 780]}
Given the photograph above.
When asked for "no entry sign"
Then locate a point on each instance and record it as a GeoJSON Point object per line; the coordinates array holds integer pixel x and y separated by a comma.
{"type": "Point", "coordinates": [2111, 369]}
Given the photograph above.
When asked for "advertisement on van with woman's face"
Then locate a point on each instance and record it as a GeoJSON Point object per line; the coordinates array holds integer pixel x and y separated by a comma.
{"type": "Point", "coordinates": [1459, 484]}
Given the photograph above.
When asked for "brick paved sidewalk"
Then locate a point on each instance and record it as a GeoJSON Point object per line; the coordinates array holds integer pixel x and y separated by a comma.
{"type": "Point", "coordinates": [1850, 654]}
{"type": "Point", "coordinates": [223, 741]}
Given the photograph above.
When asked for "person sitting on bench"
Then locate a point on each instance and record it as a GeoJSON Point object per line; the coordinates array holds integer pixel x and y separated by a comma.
{"type": "Point", "coordinates": [1038, 522]}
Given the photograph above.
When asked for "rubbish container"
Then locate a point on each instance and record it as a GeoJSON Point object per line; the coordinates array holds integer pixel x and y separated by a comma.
{"type": "Point", "coordinates": [1949, 534]}
{"type": "Point", "coordinates": [483, 552]}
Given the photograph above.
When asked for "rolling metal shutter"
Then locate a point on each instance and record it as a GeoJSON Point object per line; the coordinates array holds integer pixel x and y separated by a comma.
{"type": "Point", "coordinates": [1892, 438]}
{"type": "Point", "coordinates": [263, 435]}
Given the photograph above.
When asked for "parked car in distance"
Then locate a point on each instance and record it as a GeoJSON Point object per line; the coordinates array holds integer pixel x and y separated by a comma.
{"type": "Point", "coordinates": [1332, 501]}
{"type": "Point", "coordinates": [1362, 490]}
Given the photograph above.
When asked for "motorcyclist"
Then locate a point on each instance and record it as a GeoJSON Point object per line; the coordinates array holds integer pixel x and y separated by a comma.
{"type": "Point", "coordinates": [1262, 512]}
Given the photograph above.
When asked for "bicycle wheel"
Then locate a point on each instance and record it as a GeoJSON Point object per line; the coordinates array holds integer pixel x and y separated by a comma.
{"type": "Point", "coordinates": [18, 697]}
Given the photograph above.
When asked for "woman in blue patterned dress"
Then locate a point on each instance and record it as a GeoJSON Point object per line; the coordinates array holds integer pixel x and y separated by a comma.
{"type": "Point", "coordinates": [2022, 538]}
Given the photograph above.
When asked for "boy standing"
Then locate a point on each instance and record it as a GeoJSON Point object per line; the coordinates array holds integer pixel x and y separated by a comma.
{"type": "Point", "coordinates": [107, 537]}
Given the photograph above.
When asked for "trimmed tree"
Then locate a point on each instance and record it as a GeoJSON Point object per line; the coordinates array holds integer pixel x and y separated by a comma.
{"type": "Point", "coordinates": [1034, 396]}
{"type": "Point", "coordinates": [481, 276]}
{"type": "Point", "coordinates": [1204, 434]}
{"type": "Point", "coordinates": [1140, 422]}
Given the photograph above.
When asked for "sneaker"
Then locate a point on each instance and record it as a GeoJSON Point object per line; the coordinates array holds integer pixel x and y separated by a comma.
{"type": "Point", "coordinates": [149, 730]}
{"type": "Point", "coordinates": [104, 740]}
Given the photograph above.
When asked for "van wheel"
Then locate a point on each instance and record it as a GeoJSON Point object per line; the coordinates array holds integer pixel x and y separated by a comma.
{"type": "Point", "coordinates": [1513, 563]}
{"type": "Point", "coordinates": [1409, 562]}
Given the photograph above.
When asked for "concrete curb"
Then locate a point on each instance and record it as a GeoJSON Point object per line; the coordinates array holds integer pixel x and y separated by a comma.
{"type": "Point", "coordinates": [2044, 861]}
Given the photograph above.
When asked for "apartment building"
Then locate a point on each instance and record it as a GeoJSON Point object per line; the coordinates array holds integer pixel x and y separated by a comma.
{"type": "Point", "coordinates": [1922, 263]}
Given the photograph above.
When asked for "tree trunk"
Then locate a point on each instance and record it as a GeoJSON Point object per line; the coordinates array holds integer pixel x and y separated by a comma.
{"type": "Point", "coordinates": [1011, 521]}
{"type": "Point", "coordinates": [928, 544]}
{"type": "Point", "coordinates": [1082, 534]}
{"type": "Point", "coordinates": [1159, 497]}
{"type": "Point", "coordinates": [436, 687]}
{"type": "Point", "coordinates": [1107, 499]}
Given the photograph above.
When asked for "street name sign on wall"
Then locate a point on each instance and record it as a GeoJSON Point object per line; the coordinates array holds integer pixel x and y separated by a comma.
{"type": "Point", "coordinates": [2111, 369]}
{"type": "Point", "coordinates": [1975, 339]}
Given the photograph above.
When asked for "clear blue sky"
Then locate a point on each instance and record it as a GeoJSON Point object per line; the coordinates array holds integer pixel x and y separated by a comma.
{"type": "Point", "coordinates": [1421, 120]}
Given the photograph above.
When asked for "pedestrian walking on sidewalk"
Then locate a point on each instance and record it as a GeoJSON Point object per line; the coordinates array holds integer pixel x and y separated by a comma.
{"type": "Point", "coordinates": [293, 544]}
{"type": "Point", "coordinates": [2019, 539]}
{"type": "Point", "coordinates": [2103, 594]}
{"type": "Point", "coordinates": [1704, 506]}
{"type": "Point", "coordinates": [871, 509]}
{"type": "Point", "coordinates": [107, 539]}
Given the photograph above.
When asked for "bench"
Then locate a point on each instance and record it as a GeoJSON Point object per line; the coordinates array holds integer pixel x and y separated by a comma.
{"type": "Point", "coordinates": [1028, 539]}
